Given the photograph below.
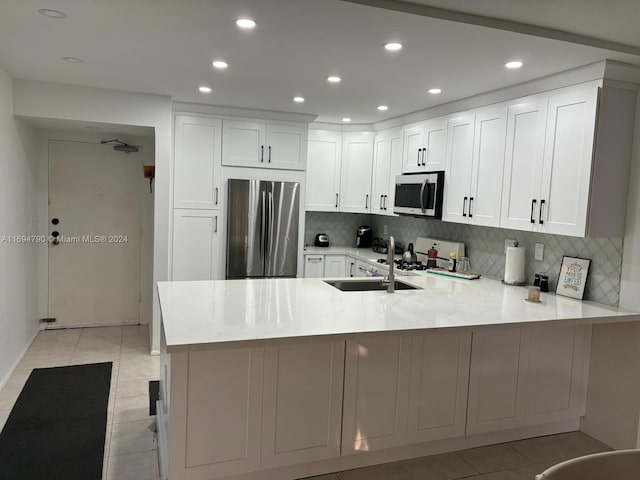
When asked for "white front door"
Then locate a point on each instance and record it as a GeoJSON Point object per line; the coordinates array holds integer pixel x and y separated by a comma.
{"type": "Point", "coordinates": [94, 206]}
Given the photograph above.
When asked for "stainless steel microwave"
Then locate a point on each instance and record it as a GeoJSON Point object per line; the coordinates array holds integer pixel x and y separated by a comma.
{"type": "Point", "coordinates": [420, 194]}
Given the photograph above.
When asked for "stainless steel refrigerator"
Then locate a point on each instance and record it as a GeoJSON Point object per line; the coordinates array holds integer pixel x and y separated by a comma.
{"type": "Point", "coordinates": [262, 228]}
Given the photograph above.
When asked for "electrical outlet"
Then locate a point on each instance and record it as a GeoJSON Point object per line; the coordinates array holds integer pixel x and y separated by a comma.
{"type": "Point", "coordinates": [539, 251]}
{"type": "Point", "coordinates": [509, 243]}
{"type": "Point", "coordinates": [385, 229]}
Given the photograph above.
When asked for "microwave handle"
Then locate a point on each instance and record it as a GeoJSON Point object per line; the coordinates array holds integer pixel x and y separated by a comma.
{"type": "Point", "coordinates": [424, 184]}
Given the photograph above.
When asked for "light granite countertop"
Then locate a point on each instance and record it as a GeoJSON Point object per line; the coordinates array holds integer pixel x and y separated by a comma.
{"type": "Point", "coordinates": [222, 311]}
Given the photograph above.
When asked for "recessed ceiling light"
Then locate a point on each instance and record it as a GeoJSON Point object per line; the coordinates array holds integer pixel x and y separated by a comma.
{"type": "Point", "coordinates": [246, 23]}
{"type": "Point", "coordinates": [383, 108]}
{"type": "Point", "coordinates": [513, 64]}
{"type": "Point", "coordinates": [72, 59]}
{"type": "Point", "coordinates": [204, 89]}
{"type": "Point", "coordinates": [346, 119]}
{"type": "Point", "coordinates": [393, 46]}
{"type": "Point", "coordinates": [435, 91]}
{"type": "Point", "coordinates": [47, 12]}
{"type": "Point", "coordinates": [334, 79]}
{"type": "Point", "coordinates": [298, 99]}
{"type": "Point", "coordinates": [219, 64]}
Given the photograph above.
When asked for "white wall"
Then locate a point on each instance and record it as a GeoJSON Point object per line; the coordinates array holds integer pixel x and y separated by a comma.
{"type": "Point", "coordinates": [630, 281]}
{"type": "Point", "coordinates": [67, 102]}
{"type": "Point", "coordinates": [18, 216]}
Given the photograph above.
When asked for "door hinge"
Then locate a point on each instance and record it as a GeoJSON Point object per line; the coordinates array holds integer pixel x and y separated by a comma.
{"type": "Point", "coordinates": [48, 320]}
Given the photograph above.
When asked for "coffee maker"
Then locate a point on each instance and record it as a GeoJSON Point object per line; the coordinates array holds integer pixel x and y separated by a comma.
{"type": "Point", "coordinates": [364, 236]}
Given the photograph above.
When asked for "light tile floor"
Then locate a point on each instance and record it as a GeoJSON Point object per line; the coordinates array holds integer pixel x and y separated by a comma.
{"type": "Point", "coordinates": [131, 447]}
{"type": "Point", "coordinates": [130, 444]}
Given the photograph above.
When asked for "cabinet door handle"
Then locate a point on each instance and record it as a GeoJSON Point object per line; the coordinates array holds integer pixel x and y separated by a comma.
{"type": "Point", "coordinates": [381, 201]}
{"type": "Point", "coordinates": [351, 269]}
{"type": "Point", "coordinates": [540, 217]}
{"type": "Point", "coordinates": [533, 206]}
{"type": "Point", "coordinates": [336, 200]}
{"type": "Point", "coordinates": [216, 195]}
{"type": "Point", "coordinates": [366, 202]}
{"type": "Point", "coordinates": [464, 207]}
{"type": "Point", "coordinates": [470, 205]}
{"type": "Point", "coordinates": [312, 259]}
{"type": "Point", "coordinates": [269, 153]}
{"type": "Point", "coordinates": [419, 150]}
{"type": "Point", "coordinates": [424, 156]}
{"type": "Point", "coordinates": [216, 227]}
{"type": "Point", "coordinates": [261, 153]}
{"type": "Point", "coordinates": [384, 207]}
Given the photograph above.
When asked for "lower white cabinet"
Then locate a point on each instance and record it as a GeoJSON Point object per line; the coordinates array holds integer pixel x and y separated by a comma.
{"type": "Point", "coordinates": [313, 266]}
{"type": "Point", "coordinates": [195, 245]}
{"type": "Point", "coordinates": [376, 390]}
{"type": "Point", "coordinates": [497, 382]}
{"type": "Point", "coordinates": [528, 375]}
{"type": "Point", "coordinates": [335, 266]}
{"type": "Point", "coordinates": [302, 402]}
{"type": "Point", "coordinates": [558, 371]}
{"type": "Point", "coordinates": [438, 387]}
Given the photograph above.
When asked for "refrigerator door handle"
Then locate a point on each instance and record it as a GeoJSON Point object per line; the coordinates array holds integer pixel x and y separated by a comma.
{"type": "Point", "coordinates": [263, 228]}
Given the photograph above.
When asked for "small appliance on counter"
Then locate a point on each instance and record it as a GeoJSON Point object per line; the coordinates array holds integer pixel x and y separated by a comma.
{"type": "Point", "coordinates": [364, 236]}
{"type": "Point", "coordinates": [322, 240]}
{"type": "Point", "coordinates": [380, 245]}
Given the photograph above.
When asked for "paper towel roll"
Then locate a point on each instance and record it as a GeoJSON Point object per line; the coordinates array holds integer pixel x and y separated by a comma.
{"type": "Point", "coordinates": [514, 266]}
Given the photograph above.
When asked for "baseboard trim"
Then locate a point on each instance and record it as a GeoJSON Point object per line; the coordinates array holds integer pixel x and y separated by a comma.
{"type": "Point", "coordinates": [4, 381]}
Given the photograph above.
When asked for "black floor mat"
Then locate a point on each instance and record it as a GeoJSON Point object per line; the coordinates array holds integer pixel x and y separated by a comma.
{"type": "Point", "coordinates": [57, 427]}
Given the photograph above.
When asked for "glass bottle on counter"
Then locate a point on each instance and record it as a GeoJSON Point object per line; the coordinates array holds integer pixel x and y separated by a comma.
{"type": "Point", "coordinates": [452, 262]}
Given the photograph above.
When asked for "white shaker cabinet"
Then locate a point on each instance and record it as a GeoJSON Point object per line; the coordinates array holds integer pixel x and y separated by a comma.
{"type": "Point", "coordinates": [335, 266]}
{"type": "Point", "coordinates": [558, 371]}
{"type": "Point", "coordinates": [196, 245]}
{"type": "Point", "coordinates": [563, 201]}
{"type": "Point", "coordinates": [302, 402]}
{"type": "Point", "coordinates": [356, 170]}
{"type": "Point", "coordinates": [457, 180]}
{"type": "Point", "coordinates": [425, 146]}
{"type": "Point", "coordinates": [264, 144]}
{"type": "Point", "coordinates": [438, 388]}
{"type": "Point", "coordinates": [526, 126]}
{"type": "Point", "coordinates": [323, 171]}
{"type": "Point", "coordinates": [498, 379]}
{"type": "Point", "coordinates": [387, 163]}
{"type": "Point", "coordinates": [313, 266]}
{"type": "Point", "coordinates": [376, 389]}
{"type": "Point", "coordinates": [485, 200]}
{"type": "Point", "coordinates": [196, 164]}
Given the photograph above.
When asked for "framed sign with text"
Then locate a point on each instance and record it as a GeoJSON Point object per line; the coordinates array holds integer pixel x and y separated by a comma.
{"type": "Point", "coordinates": [573, 277]}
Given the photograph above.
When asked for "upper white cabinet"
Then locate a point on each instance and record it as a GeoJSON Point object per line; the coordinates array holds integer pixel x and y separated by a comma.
{"type": "Point", "coordinates": [425, 146]}
{"type": "Point", "coordinates": [264, 145]}
{"type": "Point", "coordinates": [526, 125]}
{"type": "Point", "coordinates": [563, 202]}
{"type": "Point", "coordinates": [387, 163]}
{"type": "Point", "coordinates": [356, 170]}
{"type": "Point", "coordinates": [323, 171]}
{"type": "Point", "coordinates": [457, 180]}
{"type": "Point", "coordinates": [196, 165]}
{"type": "Point", "coordinates": [475, 163]}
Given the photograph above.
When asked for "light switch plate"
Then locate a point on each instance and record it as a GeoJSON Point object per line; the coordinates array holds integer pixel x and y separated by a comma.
{"type": "Point", "coordinates": [539, 255]}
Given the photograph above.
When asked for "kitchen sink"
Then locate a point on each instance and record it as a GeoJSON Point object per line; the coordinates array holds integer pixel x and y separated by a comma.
{"type": "Point", "coordinates": [367, 285]}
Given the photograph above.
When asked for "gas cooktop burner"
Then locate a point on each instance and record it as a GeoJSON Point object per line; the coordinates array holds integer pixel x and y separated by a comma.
{"type": "Point", "coordinates": [402, 265]}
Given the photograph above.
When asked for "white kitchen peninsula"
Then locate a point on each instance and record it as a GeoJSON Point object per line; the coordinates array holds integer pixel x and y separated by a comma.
{"type": "Point", "coordinates": [288, 378]}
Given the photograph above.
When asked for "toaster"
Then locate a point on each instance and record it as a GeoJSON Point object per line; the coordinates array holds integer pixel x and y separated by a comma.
{"type": "Point", "coordinates": [322, 240]}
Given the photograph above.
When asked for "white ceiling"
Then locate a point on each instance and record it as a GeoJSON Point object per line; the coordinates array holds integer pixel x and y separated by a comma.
{"type": "Point", "coordinates": [166, 46]}
{"type": "Point", "coordinates": [612, 20]}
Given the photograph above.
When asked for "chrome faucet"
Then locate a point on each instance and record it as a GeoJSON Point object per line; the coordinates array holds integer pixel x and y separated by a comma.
{"type": "Point", "coordinates": [390, 279]}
